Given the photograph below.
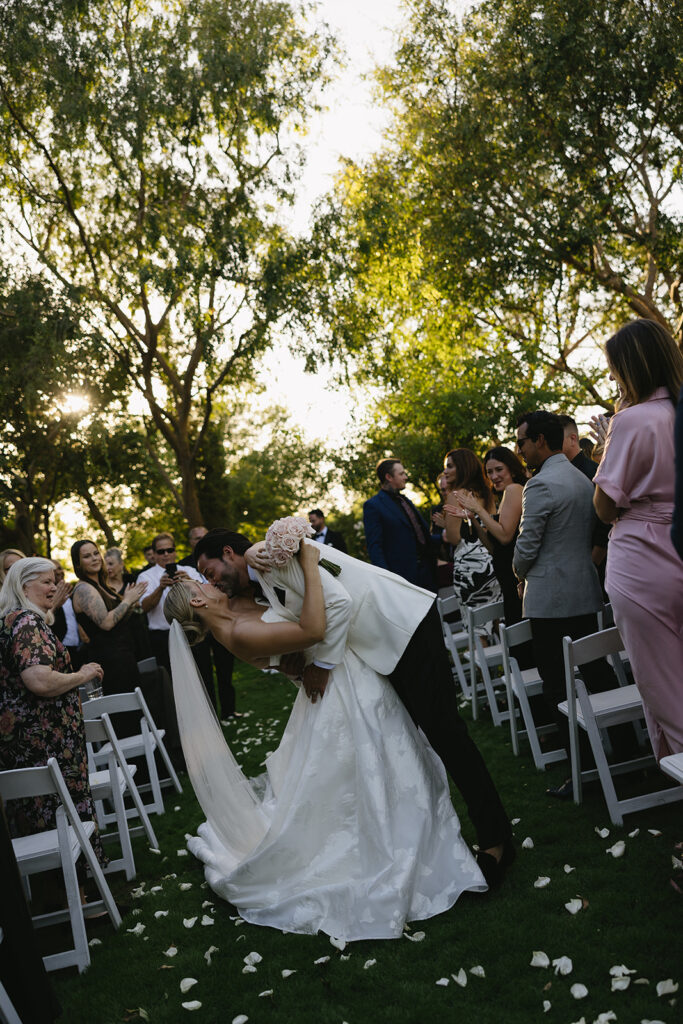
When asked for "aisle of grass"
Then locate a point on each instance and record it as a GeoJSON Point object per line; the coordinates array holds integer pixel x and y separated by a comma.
{"type": "Point", "coordinates": [631, 917]}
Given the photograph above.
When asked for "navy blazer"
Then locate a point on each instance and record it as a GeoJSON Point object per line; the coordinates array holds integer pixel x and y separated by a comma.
{"type": "Point", "coordinates": [391, 541]}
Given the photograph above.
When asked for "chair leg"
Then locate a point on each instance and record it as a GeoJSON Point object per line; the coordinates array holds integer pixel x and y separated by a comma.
{"type": "Point", "coordinates": [7, 1011]}
{"type": "Point", "coordinates": [127, 858]}
{"type": "Point", "coordinates": [73, 898]}
{"type": "Point", "coordinates": [606, 781]}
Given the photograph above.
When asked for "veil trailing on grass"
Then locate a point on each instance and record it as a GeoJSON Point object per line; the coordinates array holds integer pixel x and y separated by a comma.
{"type": "Point", "coordinates": [224, 793]}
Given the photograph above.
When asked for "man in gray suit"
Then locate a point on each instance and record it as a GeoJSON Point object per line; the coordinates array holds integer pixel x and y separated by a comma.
{"type": "Point", "coordinates": [561, 592]}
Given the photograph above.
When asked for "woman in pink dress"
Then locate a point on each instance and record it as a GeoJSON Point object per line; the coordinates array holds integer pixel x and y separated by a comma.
{"type": "Point", "coordinates": [635, 491]}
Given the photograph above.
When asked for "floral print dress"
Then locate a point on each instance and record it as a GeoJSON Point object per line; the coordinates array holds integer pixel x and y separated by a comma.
{"type": "Point", "coordinates": [33, 729]}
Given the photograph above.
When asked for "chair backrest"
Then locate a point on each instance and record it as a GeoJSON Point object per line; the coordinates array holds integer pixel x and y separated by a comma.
{"type": "Point", "coordinates": [486, 613]}
{"type": "Point", "coordinates": [516, 634]}
{"type": "Point", "coordinates": [596, 645]}
{"type": "Point", "coordinates": [148, 666]}
{"type": "Point", "coordinates": [23, 782]}
{"type": "Point", "coordinates": [112, 704]}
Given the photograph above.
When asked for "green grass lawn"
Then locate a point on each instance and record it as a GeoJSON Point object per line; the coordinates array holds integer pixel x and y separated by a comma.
{"type": "Point", "coordinates": [631, 916]}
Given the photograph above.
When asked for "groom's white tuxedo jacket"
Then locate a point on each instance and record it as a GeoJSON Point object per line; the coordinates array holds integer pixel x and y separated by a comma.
{"type": "Point", "coordinates": [369, 610]}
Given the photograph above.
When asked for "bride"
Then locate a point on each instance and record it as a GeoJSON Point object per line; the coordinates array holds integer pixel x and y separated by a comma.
{"type": "Point", "coordinates": [351, 830]}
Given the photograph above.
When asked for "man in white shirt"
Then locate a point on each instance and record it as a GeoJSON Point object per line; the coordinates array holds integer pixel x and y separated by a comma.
{"type": "Point", "coordinates": [158, 581]}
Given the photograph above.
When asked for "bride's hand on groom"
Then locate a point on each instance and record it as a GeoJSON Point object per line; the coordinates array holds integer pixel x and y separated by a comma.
{"type": "Point", "coordinates": [315, 681]}
{"type": "Point", "coordinates": [256, 557]}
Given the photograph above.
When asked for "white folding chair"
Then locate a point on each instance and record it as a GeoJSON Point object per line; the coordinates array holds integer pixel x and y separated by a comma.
{"type": "Point", "coordinates": [522, 684]}
{"type": "Point", "coordinates": [146, 743]}
{"type": "Point", "coordinates": [112, 783]}
{"type": "Point", "coordinates": [480, 621]}
{"type": "Point", "coordinates": [8, 1015]}
{"type": "Point", "coordinates": [672, 764]}
{"type": "Point", "coordinates": [597, 711]}
{"type": "Point", "coordinates": [60, 847]}
{"type": "Point", "coordinates": [455, 636]}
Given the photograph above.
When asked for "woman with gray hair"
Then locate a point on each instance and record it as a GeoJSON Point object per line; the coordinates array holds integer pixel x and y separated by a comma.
{"type": "Point", "coordinates": [7, 558]}
{"type": "Point", "coordinates": [40, 712]}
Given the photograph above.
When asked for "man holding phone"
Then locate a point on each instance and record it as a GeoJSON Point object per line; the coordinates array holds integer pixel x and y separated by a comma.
{"type": "Point", "coordinates": [159, 578]}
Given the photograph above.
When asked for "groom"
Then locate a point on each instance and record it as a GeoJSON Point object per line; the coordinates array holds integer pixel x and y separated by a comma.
{"type": "Point", "coordinates": [395, 628]}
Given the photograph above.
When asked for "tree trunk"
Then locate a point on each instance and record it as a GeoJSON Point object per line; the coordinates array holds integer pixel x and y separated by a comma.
{"type": "Point", "coordinates": [99, 519]}
{"type": "Point", "coordinates": [191, 508]}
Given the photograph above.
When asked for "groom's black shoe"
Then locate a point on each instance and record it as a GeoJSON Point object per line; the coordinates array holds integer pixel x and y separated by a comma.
{"type": "Point", "coordinates": [494, 870]}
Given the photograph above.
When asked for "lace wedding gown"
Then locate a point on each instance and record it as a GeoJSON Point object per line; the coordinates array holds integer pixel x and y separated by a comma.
{"type": "Point", "coordinates": [351, 830]}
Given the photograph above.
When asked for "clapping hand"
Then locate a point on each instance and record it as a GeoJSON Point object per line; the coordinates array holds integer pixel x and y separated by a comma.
{"type": "Point", "coordinates": [134, 592]}
{"type": "Point", "coordinates": [62, 592]}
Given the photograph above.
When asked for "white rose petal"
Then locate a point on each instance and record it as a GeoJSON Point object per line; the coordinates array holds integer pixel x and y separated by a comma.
{"type": "Point", "coordinates": [95, 942]}
{"type": "Point", "coordinates": [574, 906]}
{"type": "Point", "coordinates": [515, 821]}
{"type": "Point", "coordinates": [641, 981]}
{"type": "Point", "coordinates": [138, 930]}
{"type": "Point", "coordinates": [415, 937]}
{"type": "Point", "coordinates": [620, 984]}
{"type": "Point", "coordinates": [249, 969]}
{"type": "Point", "coordinates": [443, 982]}
{"type": "Point", "coordinates": [368, 964]}
{"type": "Point", "coordinates": [338, 943]}
{"type": "Point", "coordinates": [209, 952]}
{"type": "Point", "coordinates": [632, 835]}
{"type": "Point", "coordinates": [581, 1020]}
{"type": "Point", "coordinates": [136, 912]}
{"type": "Point", "coordinates": [157, 888]}
{"type": "Point", "coordinates": [241, 1018]}
{"type": "Point", "coordinates": [667, 987]}
{"type": "Point", "coordinates": [240, 937]}
{"type": "Point", "coordinates": [546, 1005]}
{"type": "Point", "coordinates": [345, 957]}
{"type": "Point", "coordinates": [206, 903]}
{"type": "Point", "coordinates": [528, 843]}
{"type": "Point", "coordinates": [478, 971]}
{"type": "Point", "coordinates": [186, 984]}
{"type": "Point", "coordinates": [563, 965]}
{"type": "Point", "coordinates": [606, 1017]}
{"type": "Point", "coordinates": [184, 886]}
{"type": "Point", "coordinates": [181, 853]}
{"type": "Point", "coordinates": [138, 893]}
{"type": "Point", "coordinates": [539, 959]}
{"type": "Point", "coordinates": [652, 1022]}
{"type": "Point", "coordinates": [618, 849]}
{"type": "Point", "coordinates": [322, 960]}
{"type": "Point", "coordinates": [253, 958]}
{"type": "Point", "coordinates": [541, 882]}
{"type": "Point", "coordinates": [619, 970]}
{"type": "Point", "coordinates": [207, 920]}
{"type": "Point", "coordinates": [193, 1005]}
{"type": "Point", "coordinates": [171, 951]}
{"type": "Point", "coordinates": [460, 978]}
{"type": "Point", "coordinates": [568, 869]}
{"type": "Point", "coordinates": [287, 974]}
{"type": "Point", "coordinates": [654, 832]}
{"type": "Point", "coordinates": [676, 862]}
{"type": "Point", "coordinates": [189, 922]}
{"type": "Point", "coordinates": [161, 913]}
{"type": "Point", "coordinates": [153, 849]}
{"type": "Point", "coordinates": [579, 991]}
{"type": "Point", "coordinates": [266, 992]}
{"type": "Point", "coordinates": [602, 832]}
{"type": "Point", "coordinates": [177, 807]}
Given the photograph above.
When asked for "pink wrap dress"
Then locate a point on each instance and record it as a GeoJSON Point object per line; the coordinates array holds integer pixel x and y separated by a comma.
{"type": "Point", "coordinates": [644, 578]}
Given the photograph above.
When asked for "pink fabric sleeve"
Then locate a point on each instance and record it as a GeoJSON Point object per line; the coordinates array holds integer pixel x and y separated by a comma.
{"type": "Point", "coordinates": [623, 462]}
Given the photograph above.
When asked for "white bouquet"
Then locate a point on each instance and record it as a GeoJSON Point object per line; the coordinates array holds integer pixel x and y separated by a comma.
{"type": "Point", "coordinates": [283, 540]}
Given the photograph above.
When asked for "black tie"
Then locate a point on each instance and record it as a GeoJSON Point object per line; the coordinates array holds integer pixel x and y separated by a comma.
{"type": "Point", "coordinates": [317, 536]}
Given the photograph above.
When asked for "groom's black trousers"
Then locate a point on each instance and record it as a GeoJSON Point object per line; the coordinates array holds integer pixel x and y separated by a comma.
{"type": "Point", "coordinates": [424, 681]}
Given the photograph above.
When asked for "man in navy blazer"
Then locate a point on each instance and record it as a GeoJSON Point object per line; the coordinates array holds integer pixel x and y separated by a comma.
{"type": "Point", "coordinates": [397, 537]}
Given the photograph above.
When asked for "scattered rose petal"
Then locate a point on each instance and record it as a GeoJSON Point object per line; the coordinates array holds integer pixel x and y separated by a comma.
{"type": "Point", "coordinates": [209, 952]}
{"type": "Point", "coordinates": [478, 971]}
{"type": "Point", "coordinates": [95, 942]}
{"type": "Point", "coordinates": [368, 964]}
{"type": "Point", "coordinates": [667, 987]}
{"type": "Point", "coordinates": [652, 1022]}
{"type": "Point", "coordinates": [620, 984]}
{"type": "Point", "coordinates": [186, 984]}
{"type": "Point", "coordinates": [539, 959]}
{"type": "Point", "coordinates": [606, 1017]}
{"type": "Point", "coordinates": [546, 1005]}
{"type": "Point", "coordinates": [619, 970]}
{"type": "Point", "coordinates": [460, 978]}
{"type": "Point", "coordinates": [189, 922]}
{"type": "Point", "coordinates": [193, 1005]}
{"type": "Point", "coordinates": [574, 906]}
{"type": "Point", "coordinates": [253, 958]}
{"type": "Point", "coordinates": [568, 869]}
{"type": "Point", "coordinates": [618, 849]}
{"type": "Point", "coordinates": [443, 982]}
{"type": "Point", "coordinates": [641, 981]}
{"type": "Point", "coordinates": [153, 849]}
{"type": "Point", "coordinates": [287, 974]}
{"type": "Point", "coordinates": [541, 882]}
{"type": "Point", "coordinates": [676, 863]}
{"type": "Point", "coordinates": [171, 951]}
{"type": "Point", "coordinates": [415, 937]}
{"type": "Point", "coordinates": [654, 832]}
{"type": "Point", "coordinates": [528, 843]}
{"type": "Point", "coordinates": [241, 1018]}
{"type": "Point", "coordinates": [515, 821]}
{"type": "Point", "coordinates": [266, 992]}
{"type": "Point", "coordinates": [579, 991]}
{"type": "Point", "coordinates": [161, 913]}
{"type": "Point", "coordinates": [239, 921]}
{"type": "Point", "coordinates": [249, 969]}
{"type": "Point", "coordinates": [338, 943]}
{"type": "Point", "coordinates": [602, 832]}
{"type": "Point", "coordinates": [563, 965]}
{"type": "Point", "coordinates": [240, 937]}
{"type": "Point", "coordinates": [138, 893]}
{"type": "Point", "coordinates": [184, 886]}
{"type": "Point", "coordinates": [581, 1020]}
{"type": "Point", "coordinates": [632, 835]}
{"type": "Point", "coordinates": [206, 903]}
{"type": "Point", "coordinates": [177, 808]}
{"type": "Point", "coordinates": [322, 960]}
{"type": "Point", "coordinates": [136, 912]}
{"type": "Point", "coordinates": [207, 920]}
{"type": "Point", "coordinates": [138, 930]}
{"type": "Point", "coordinates": [181, 853]}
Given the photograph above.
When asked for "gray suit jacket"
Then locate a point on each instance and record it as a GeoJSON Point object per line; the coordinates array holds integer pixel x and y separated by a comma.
{"type": "Point", "coordinates": [553, 550]}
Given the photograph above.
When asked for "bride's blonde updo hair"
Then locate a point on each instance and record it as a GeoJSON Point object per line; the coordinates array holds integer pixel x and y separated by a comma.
{"type": "Point", "coordinates": [177, 607]}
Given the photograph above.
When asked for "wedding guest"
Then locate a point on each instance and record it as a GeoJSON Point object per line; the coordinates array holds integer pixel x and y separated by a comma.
{"type": "Point", "coordinates": [117, 577]}
{"type": "Point", "coordinates": [65, 626]}
{"type": "Point", "coordinates": [7, 558]}
{"type": "Point", "coordinates": [474, 579]}
{"type": "Point", "coordinates": [40, 712]}
{"type": "Point", "coordinates": [677, 522]}
{"type": "Point", "coordinates": [635, 492]}
{"type": "Point", "coordinates": [323, 534]}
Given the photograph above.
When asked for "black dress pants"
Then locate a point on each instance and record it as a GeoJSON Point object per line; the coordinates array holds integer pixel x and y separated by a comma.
{"type": "Point", "coordinates": [424, 681]}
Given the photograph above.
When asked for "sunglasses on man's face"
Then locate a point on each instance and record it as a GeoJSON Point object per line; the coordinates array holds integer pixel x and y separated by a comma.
{"type": "Point", "coordinates": [164, 551]}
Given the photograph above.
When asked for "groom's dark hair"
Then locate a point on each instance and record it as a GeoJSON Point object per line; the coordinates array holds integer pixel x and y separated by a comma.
{"type": "Point", "coordinates": [213, 542]}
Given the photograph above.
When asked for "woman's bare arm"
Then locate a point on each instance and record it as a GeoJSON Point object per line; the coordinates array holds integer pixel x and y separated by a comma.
{"type": "Point", "coordinates": [45, 682]}
{"type": "Point", "coordinates": [605, 507]}
{"type": "Point", "coordinates": [453, 520]}
{"type": "Point", "coordinates": [86, 600]}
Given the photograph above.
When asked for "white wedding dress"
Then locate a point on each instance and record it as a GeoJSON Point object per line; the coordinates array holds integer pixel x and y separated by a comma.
{"type": "Point", "coordinates": [351, 830]}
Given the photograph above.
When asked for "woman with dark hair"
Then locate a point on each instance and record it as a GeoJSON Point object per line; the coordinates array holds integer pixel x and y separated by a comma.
{"type": "Point", "coordinates": [498, 530]}
{"type": "Point", "coordinates": [635, 491]}
{"type": "Point", "coordinates": [474, 579]}
{"type": "Point", "coordinates": [105, 617]}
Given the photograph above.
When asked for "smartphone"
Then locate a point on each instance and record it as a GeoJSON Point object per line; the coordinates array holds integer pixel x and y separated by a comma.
{"type": "Point", "coordinates": [171, 569]}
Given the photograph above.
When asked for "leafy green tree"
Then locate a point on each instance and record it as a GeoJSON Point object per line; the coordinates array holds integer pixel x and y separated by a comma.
{"type": "Point", "coordinates": [146, 149]}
